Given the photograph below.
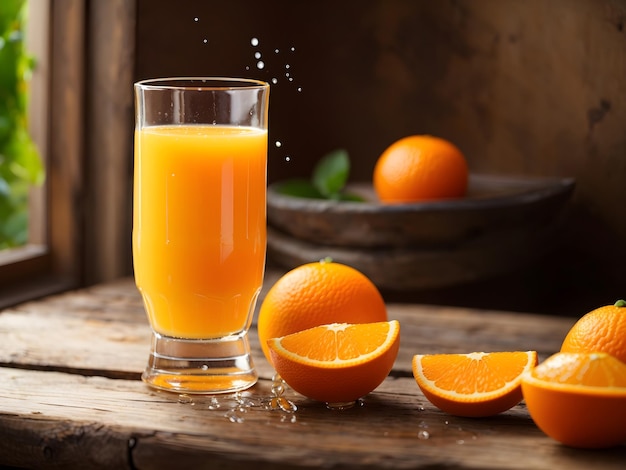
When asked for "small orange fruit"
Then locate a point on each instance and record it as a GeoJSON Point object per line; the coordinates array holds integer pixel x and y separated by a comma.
{"type": "Point", "coordinates": [579, 399]}
{"type": "Point", "coordinates": [337, 363]}
{"type": "Point", "coordinates": [318, 294]}
{"type": "Point", "coordinates": [601, 330]}
{"type": "Point", "coordinates": [419, 168]}
{"type": "Point", "coordinates": [473, 385]}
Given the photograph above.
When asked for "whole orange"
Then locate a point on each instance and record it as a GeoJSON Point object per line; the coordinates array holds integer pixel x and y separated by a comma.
{"type": "Point", "coordinates": [317, 294]}
{"type": "Point", "coordinates": [601, 330]}
{"type": "Point", "coordinates": [419, 168]}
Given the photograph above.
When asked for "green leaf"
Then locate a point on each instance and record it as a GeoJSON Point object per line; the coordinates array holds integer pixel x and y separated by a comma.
{"type": "Point", "coordinates": [9, 58]}
{"type": "Point", "coordinates": [5, 189]}
{"type": "Point", "coordinates": [299, 188]}
{"type": "Point", "coordinates": [26, 163]}
{"type": "Point", "coordinates": [15, 228]}
{"type": "Point", "coordinates": [351, 197]}
{"type": "Point", "coordinates": [6, 126]}
{"type": "Point", "coordinates": [10, 11]}
{"type": "Point", "coordinates": [20, 163]}
{"type": "Point", "coordinates": [331, 173]}
{"type": "Point", "coordinates": [328, 180]}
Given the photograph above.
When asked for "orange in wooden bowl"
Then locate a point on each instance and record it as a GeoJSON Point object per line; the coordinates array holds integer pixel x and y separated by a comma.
{"type": "Point", "coordinates": [475, 385]}
{"type": "Point", "coordinates": [501, 223]}
{"type": "Point", "coordinates": [337, 363]}
{"type": "Point", "coordinates": [420, 168]}
{"type": "Point", "coordinates": [579, 399]}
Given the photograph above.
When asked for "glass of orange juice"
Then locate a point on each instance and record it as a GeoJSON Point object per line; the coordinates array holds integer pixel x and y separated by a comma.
{"type": "Point", "coordinates": [199, 227]}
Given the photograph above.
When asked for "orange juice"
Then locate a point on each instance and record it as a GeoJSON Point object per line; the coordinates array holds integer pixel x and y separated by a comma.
{"type": "Point", "coordinates": [199, 228]}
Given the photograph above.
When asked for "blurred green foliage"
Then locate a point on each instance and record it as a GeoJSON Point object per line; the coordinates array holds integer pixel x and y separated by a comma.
{"type": "Point", "coordinates": [328, 180]}
{"type": "Point", "coordinates": [20, 163]}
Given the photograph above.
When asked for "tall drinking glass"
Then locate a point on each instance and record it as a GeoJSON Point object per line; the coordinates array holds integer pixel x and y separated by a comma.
{"type": "Point", "coordinates": [199, 227]}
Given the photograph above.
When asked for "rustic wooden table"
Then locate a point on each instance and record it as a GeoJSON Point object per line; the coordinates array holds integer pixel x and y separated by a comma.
{"type": "Point", "coordinates": [71, 397]}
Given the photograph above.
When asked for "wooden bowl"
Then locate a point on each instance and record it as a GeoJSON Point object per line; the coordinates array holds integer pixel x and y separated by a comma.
{"type": "Point", "coordinates": [502, 224]}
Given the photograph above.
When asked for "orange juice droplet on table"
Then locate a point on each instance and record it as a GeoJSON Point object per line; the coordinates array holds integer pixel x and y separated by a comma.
{"type": "Point", "coordinates": [199, 231]}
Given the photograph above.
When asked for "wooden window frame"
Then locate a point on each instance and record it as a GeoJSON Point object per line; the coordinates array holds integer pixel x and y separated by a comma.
{"type": "Point", "coordinates": [83, 125]}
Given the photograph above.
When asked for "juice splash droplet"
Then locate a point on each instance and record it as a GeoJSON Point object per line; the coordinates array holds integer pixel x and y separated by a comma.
{"type": "Point", "coordinates": [344, 405]}
{"type": "Point", "coordinates": [278, 388]}
{"type": "Point", "coordinates": [423, 435]}
{"type": "Point", "coordinates": [244, 402]}
{"type": "Point", "coordinates": [254, 41]}
{"type": "Point", "coordinates": [278, 143]}
{"type": "Point", "coordinates": [277, 401]}
{"type": "Point", "coordinates": [260, 64]}
{"type": "Point", "coordinates": [234, 417]}
{"type": "Point", "coordinates": [185, 399]}
{"type": "Point", "coordinates": [257, 55]}
{"type": "Point", "coordinates": [282, 404]}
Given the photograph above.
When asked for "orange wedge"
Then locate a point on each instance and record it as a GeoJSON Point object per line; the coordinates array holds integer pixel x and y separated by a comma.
{"type": "Point", "coordinates": [473, 385]}
{"type": "Point", "coordinates": [579, 399]}
{"type": "Point", "coordinates": [339, 362]}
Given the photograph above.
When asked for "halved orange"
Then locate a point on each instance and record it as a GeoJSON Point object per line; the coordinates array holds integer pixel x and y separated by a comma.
{"type": "Point", "coordinates": [477, 384]}
{"type": "Point", "coordinates": [579, 399]}
{"type": "Point", "coordinates": [339, 362]}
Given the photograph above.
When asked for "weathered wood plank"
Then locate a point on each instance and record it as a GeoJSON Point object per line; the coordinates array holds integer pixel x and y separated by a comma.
{"type": "Point", "coordinates": [56, 419]}
{"type": "Point", "coordinates": [70, 393]}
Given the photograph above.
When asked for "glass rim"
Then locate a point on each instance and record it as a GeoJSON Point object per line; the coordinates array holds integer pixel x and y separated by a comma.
{"type": "Point", "coordinates": [199, 83]}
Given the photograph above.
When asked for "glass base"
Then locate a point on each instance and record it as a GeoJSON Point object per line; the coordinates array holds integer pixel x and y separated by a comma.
{"type": "Point", "coordinates": [179, 365]}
